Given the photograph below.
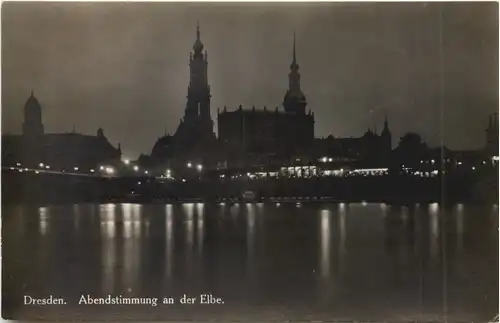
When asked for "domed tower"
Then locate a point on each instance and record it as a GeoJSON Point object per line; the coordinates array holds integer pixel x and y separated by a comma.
{"type": "Point", "coordinates": [32, 125]}
{"type": "Point", "coordinates": [294, 101]}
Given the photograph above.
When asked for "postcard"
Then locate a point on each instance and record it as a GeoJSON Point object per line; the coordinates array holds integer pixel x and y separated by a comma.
{"type": "Point", "coordinates": [231, 161]}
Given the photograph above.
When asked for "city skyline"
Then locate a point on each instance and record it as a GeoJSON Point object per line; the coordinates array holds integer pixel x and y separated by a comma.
{"type": "Point", "coordinates": [105, 81]}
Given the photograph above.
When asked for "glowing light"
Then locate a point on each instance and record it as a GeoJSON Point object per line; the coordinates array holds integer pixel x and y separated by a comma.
{"type": "Point", "coordinates": [473, 168]}
{"type": "Point", "coordinates": [183, 180]}
{"type": "Point", "coordinates": [91, 170]}
{"type": "Point", "coordinates": [47, 166]}
{"type": "Point", "coordinates": [199, 167]}
{"type": "Point", "coordinates": [110, 170]}
{"type": "Point", "coordinates": [136, 168]}
{"type": "Point", "coordinates": [189, 165]}
{"type": "Point", "coordinates": [75, 168]}
{"type": "Point", "coordinates": [126, 161]}
{"type": "Point", "coordinates": [101, 168]}
{"type": "Point", "coordinates": [146, 172]}
{"type": "Point", "coordinates": [324, 159]}
{"type": "Point", "coordinates": [18, 164]}
{"type": "Point", "coordinates": [41, 164]}
{"type": "Point", "coordinates": [330, 159]}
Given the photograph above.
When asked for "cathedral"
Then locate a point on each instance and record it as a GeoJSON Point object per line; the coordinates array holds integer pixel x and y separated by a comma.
{"type": "Point", "coordinates": [59, 151]}
{"type": "Point", "coordinates": [253, 137]}
{"type": "Point", "coordinates": [194, 139]}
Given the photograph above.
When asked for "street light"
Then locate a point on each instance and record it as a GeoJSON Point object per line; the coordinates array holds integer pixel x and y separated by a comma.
{"type": "Point", "coordinates": [110, 170]}
{"type": "Point", "coordinates": [199, 167]}
{"type": "Point", "coordinates": [189, 165]}
{"type": "Point", "coordinates": [126, 161]}
{"type": "Point", "coordinates": [136, 168]}
{"type": "Point", "coordinates": [41, 165]}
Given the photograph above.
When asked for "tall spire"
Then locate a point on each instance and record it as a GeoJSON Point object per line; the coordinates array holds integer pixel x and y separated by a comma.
{"type": "Point", "coordinates": [197, 29]}
{"type": "Point", "coordinates": [198, 45]}
{"type": "Point", "coordinates": [294, 67]}
{"type": "Point", "coordinates": [295, 100]}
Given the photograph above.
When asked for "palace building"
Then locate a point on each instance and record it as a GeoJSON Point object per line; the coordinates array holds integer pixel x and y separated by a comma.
{"type": "Point", "coordinates": [62, 151]}
{"type": "Point", "coordinates": [261, 136]}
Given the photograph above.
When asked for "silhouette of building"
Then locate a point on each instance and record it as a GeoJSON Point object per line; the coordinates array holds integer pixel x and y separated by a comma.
{"type": "Point", "coordinates": [59, 150]}
{"type": "Point", "coordinates": [371, 149]}
{"type": "Point", "coordinates": [264, 136]}
{"type": "Point", "coordinates": [194, 139]}
{"type": "Point", "coordinates": [491, 146]}
{"type": "Point", "coordinates": [32, 125]}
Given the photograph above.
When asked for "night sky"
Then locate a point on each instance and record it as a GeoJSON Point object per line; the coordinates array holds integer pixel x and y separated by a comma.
{"type": "Point", "coordinates": [124, 67]}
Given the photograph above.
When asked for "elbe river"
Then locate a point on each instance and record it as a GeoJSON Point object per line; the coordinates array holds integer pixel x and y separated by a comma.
{"type": "Point", "coordinates": [265, 261]}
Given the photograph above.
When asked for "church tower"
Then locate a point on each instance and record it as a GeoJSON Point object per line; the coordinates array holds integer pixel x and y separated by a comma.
{"type": "Point", "coordinates": [386, 136]}
{"type": "Point", "coordinates": [32, 125]}
{"type": "Point", "coordinates": [197, 113]}
{"type": "Point", "coordinates": [294, 101]}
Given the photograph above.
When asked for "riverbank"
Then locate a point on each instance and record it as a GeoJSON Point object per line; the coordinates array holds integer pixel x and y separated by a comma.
{"type": "Point", "coordinates": [23, 188]}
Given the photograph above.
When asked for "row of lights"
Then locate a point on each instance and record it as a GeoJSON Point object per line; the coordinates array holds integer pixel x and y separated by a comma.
{"type": "Point", "coordinates": [432, 161]}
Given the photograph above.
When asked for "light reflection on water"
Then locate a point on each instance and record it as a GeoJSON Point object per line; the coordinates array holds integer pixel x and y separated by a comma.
{"type": "Point", "coordinates": [169, 233]}
{"type": "Point", "coordinates": [43, 220]}
{"type": "Point", "coordinates": [325, 243]}
{"type": "Point", "coordinates": [327, 250]}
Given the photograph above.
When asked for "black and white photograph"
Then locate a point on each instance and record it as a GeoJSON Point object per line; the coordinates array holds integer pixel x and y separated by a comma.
{"type": "Point", "coordinates": [250, 161]}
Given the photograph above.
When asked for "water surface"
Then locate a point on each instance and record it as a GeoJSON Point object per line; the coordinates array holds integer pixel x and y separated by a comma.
{"type": "Point", "coordinates": [266, 261]}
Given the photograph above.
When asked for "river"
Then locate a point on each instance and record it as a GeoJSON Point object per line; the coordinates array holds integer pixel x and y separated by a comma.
{"type": "Point", "coordinates": [265, 261]}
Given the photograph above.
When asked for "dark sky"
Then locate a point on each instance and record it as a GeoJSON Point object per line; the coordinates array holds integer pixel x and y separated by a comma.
{"type": "Point", "coordinates": [124, 66]}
